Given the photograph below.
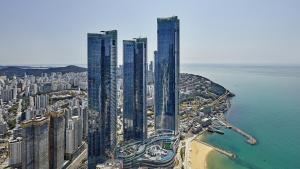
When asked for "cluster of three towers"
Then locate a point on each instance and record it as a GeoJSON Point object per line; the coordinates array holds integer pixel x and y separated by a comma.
{"type": "Point", "coordinates": [102, 65]}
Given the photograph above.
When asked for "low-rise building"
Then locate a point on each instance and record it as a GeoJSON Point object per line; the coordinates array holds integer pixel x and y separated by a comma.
{"type": "Point", "coordinates": [205, 122]}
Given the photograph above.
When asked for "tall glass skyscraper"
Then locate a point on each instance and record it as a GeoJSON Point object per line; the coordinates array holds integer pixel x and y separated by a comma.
{"type": "Point", "coordinates": [102, 64]}
{"type": "Point", "coordinates": [167, 74]}
{"type": "Point", "coordinates": [135, 91]}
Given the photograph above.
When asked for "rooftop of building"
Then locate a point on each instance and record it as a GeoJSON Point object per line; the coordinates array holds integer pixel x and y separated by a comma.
{"type": "Point", "coordinates": [110, 164]}
{"type": "Point", "coordinates": [34, 121]}
{"type": "Point", "coordinates": [15, 140]}
{"type": "Point", "coordinates": [159, 148]}
{"type": "Point", "coordinates": [167, 18]}
{"type": "Point", "coordinates": [56, 114]}
{"type": "Point", "coordinates": [101, 33]}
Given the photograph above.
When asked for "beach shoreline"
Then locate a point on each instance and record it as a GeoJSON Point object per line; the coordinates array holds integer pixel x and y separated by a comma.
{"type": "Point", "coordinates": [199, 154]}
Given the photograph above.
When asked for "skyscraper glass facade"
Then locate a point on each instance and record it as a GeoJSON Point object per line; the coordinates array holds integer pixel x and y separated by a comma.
{"type": "Point", "coordinates": [135, 79]}
{"type": "Point", "coordinates": [102, 64]}
{"type": "Point", "coordinates": [167, 74]}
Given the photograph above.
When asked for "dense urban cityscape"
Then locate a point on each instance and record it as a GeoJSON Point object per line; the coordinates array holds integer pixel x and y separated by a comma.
{"type": "Point", "coordinates": [137, 115]}
{"type": "Point", "coordinates": [140, 84]}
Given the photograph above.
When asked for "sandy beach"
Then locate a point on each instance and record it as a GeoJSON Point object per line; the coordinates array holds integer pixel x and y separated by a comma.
{"type": "Point", "coordinates": [199, 155]}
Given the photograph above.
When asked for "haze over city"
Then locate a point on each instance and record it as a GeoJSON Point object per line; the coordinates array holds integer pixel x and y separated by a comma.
{"type": "Point", "coordinates": [54, 32]}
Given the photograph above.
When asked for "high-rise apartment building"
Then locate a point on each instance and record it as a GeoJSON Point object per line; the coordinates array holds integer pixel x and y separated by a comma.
{"type": "Point", "coordinates": [77, 131]}
{"type": "Point", "coordinates": [41, 101]}
{"type": "Point", "coordinates": [35, 152]}
{"type": "Point", "coordinates": [70, 139]}
{"type": "Point", "coordinates": [56, 139]}
{"type": "Point", "coordinates": [135, 89]}
{"type": "Point", "coordinates": [102, 101]}
{"type": "Point", "coordinates": [84, 119]}
{"type": "Point", "coordinates": [14, 149]}
{"type": "Point", "coordinates": [167, 74]}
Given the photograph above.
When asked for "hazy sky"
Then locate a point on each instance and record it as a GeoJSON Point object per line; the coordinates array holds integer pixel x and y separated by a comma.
{"type": "Point", "coordinates": [211, 31]}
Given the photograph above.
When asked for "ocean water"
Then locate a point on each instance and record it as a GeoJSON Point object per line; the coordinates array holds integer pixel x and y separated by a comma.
{"type": "Point", "coordinates": [266, 105]}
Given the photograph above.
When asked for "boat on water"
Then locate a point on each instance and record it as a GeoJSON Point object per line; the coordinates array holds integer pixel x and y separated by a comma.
{"type": "Point", "coordinates": [214, 130]}
{"type": "Point", "coordinates": [219, 132]}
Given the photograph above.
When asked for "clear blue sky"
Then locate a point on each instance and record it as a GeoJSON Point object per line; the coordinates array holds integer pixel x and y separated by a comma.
{"type": "Point", "coordinates": [212, 31]}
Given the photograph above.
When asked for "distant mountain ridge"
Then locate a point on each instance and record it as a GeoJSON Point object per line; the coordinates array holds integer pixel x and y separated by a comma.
{"type": "Point", "coordinates": [21, 70]}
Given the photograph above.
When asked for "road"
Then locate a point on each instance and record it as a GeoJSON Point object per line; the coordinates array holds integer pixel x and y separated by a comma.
{"type": "Point", "coordinates": [178, 157]}
{"type": "Point", "coordinates": [220, 98]}
{"type": "Point", "coordinates": [77, 161]}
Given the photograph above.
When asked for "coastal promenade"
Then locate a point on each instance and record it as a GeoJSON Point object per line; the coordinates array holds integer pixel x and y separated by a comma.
{"type": "Point", "coordinates": [187, 152]}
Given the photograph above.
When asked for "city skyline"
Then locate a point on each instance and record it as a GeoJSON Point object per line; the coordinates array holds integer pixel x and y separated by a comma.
{"type": "Point", "coordinates": [149, 84]}
{"type": "Point", "coordinates": [263, 32]}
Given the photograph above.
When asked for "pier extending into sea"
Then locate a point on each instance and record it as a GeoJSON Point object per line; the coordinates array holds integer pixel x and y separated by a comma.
{"type": "Point", "coordinates": [250, 139]}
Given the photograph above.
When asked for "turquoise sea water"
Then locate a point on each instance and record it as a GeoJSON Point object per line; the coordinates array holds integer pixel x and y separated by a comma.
{"type": "Point", "coordinates": [267, 105]}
